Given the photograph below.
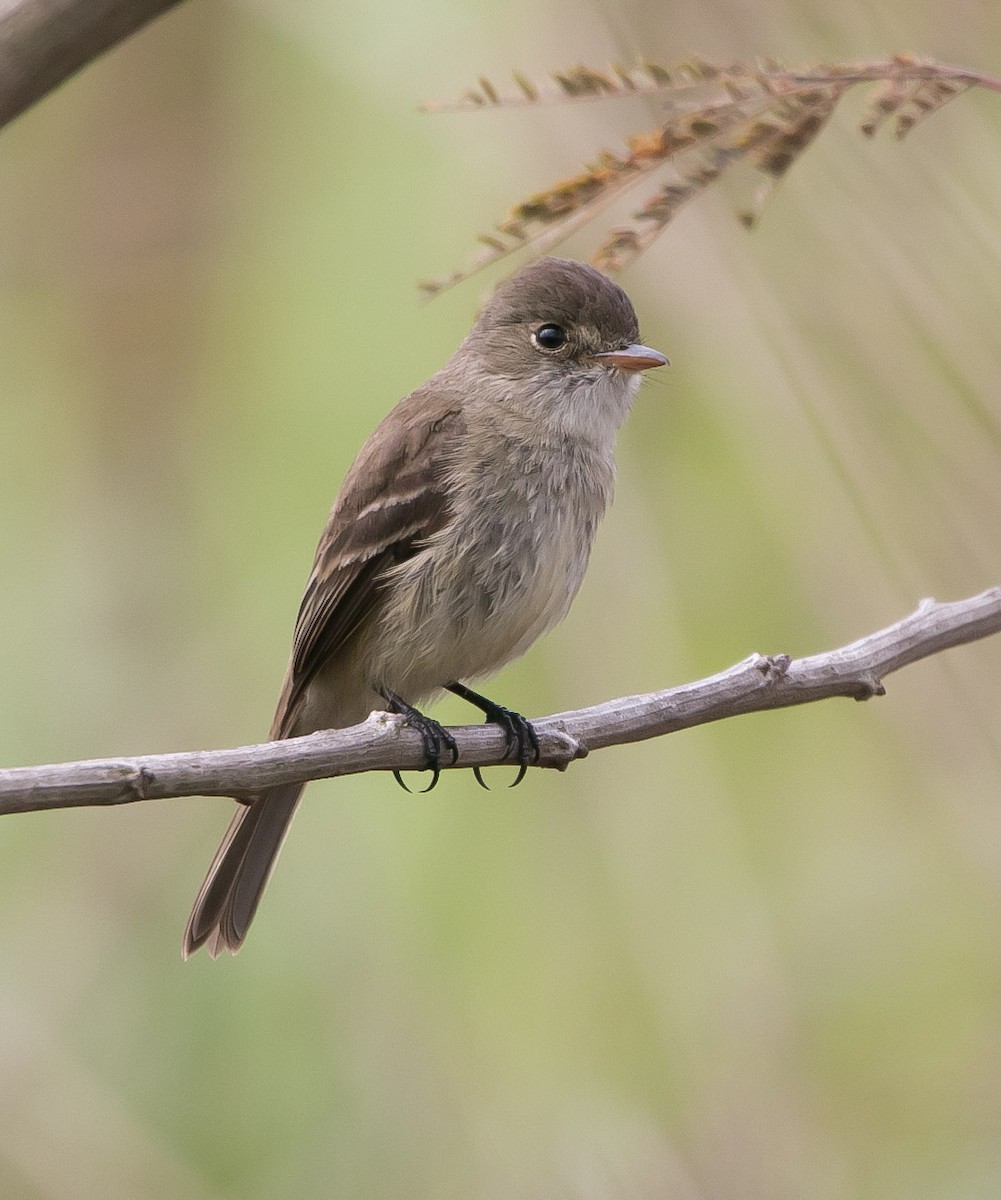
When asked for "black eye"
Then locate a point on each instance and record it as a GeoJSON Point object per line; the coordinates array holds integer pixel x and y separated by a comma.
{"type": "Point", "coordinates": [549, 337]}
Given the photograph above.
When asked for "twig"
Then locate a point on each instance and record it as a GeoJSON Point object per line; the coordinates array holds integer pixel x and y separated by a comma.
{"type": "Point", "coordinates": [43, 42]}
{"type": "Point", "coordinates": [383, 742]}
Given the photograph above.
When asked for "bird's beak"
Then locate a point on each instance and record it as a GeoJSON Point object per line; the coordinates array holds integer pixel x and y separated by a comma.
{"type": "Point", "coordinates": [633, 358]}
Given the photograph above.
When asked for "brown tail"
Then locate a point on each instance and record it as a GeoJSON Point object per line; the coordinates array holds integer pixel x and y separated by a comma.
{"type": "Point", "coordinates": [228, 899]}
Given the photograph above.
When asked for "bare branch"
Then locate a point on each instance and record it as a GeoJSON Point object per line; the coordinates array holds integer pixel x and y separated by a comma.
{"type": "Point", "coordinates": [383, 742]}
{"type": "Point", "coordinates": [43, 42]}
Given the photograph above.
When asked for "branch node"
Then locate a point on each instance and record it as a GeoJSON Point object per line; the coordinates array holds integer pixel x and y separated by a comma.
{"type": "Point", "coordinates": [868, 687]}
{"type": "Point", "coordinates": [563, 748]}
{"type": "Point", "coordinates": [773, 667]}
{"type": "Point", "coordinates": [141, 783]}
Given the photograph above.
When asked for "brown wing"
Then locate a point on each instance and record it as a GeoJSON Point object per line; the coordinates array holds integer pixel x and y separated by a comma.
{"type": "Point", "coordinates": [391, 501]}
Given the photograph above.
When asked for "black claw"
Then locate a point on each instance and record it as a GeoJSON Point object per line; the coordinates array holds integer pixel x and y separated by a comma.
{"type": "Point", "coordinates": [479, 779]}
{"type": "Point", "coordinates": [522, 772]}
{"type": "Point", "coordinates": [521, 741]}
{"type": "Point", "coordinates": [433, 784]}
{"type": "Point", "coordinates": [435, 737]}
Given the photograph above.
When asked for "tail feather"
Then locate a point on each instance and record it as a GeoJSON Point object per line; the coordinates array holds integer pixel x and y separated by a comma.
{"type": "Point", "coordinates": [228, 898]}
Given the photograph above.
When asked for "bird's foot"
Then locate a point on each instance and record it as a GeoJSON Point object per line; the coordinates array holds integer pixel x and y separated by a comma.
{"type": "Point", "coordinates": [521, 740]}
{"type": "Point", "coordinates": [436, 738]}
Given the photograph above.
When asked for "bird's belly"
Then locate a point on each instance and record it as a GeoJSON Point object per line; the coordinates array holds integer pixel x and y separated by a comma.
{"type": "Point", "coordinates": [460, 615]}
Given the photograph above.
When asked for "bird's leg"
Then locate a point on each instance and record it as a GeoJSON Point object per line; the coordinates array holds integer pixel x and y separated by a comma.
{"type": "Point", "coordinates": [435, 737]}
{"type": "Point", "coordinates": [522, 741]}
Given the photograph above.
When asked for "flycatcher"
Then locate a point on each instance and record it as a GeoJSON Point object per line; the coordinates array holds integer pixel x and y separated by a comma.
{"type": "Point", "coordinates": [460, 534]}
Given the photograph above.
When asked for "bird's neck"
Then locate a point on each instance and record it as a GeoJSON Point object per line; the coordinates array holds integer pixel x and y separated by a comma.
{"type": "Point", "coordinates": [575, 416]}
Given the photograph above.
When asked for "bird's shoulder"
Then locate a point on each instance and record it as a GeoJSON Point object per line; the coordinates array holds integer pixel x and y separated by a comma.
{"type": "Point", "coordinates": [405, 451]}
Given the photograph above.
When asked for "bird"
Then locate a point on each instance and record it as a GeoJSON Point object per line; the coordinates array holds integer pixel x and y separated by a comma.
{"type": "Point", "coordinates": [460, 534]}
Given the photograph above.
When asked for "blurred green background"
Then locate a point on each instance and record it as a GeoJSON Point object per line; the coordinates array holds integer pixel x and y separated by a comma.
{"type": "Point", "coordinates": [759, 959]}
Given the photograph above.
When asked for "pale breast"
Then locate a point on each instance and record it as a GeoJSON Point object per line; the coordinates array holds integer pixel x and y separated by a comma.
{"type": "Point", "coordinates": [501, 573]}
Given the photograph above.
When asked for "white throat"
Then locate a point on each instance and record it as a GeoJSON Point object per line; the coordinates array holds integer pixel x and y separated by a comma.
{"type": "Point", "coordinates": [594, 407]}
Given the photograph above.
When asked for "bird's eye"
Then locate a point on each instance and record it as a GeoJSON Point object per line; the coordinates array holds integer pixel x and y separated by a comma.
{"type": "Point", "coordinates": [549, 337]}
